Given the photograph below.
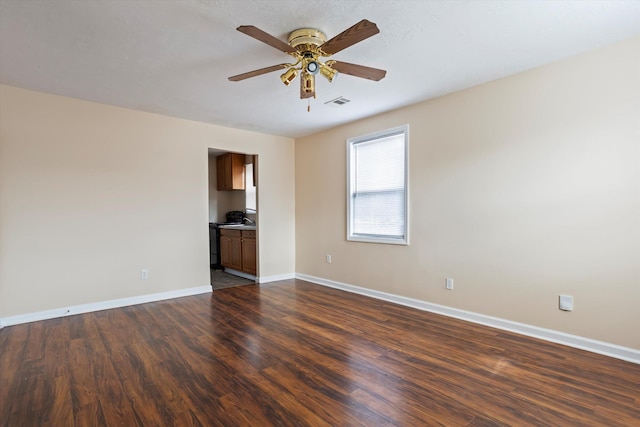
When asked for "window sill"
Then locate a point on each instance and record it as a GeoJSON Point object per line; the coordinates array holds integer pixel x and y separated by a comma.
{"type": "Point", "coordinates": [383, 240]}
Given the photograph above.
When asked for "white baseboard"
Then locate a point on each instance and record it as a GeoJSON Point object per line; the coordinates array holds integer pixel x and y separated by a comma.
{"type": "Point", "coordinates": [103, 305]}
{"type": "Point", "coordinates": [267, 279]}
{"type": "Point", "coordinates": [600, 347]}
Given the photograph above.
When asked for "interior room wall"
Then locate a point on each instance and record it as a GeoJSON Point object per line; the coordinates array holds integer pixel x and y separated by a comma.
{"type": "Point", "coordinates": [90, 194]}
{"type": "Point", "coordinates": [521, 189]}
{"type": "Point", "coordinates": [214, 196]}
{"type": "Point", "coordinates": [235, 202]}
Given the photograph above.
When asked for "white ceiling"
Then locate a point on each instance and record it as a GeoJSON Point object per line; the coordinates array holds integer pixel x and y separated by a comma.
{"type": "Point", "coordinates": [173, 57]}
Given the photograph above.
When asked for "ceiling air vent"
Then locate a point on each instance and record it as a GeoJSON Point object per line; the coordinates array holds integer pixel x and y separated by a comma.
{"type": "Point", "coordinates": [337, 102]}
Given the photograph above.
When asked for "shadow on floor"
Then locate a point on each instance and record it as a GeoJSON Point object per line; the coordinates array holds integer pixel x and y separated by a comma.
{"type": "Point", "coordinates": [221, 280]}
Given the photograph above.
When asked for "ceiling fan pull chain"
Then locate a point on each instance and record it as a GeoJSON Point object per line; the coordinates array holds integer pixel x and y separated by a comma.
{"type": "Point", "coordinates": [308, 105]}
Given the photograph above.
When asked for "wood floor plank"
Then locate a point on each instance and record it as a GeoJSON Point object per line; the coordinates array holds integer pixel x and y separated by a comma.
{"type": "Point", "coordinates": [11, 349]}
{"type": "Point", "coordinates": [291, 353]}
{"type": "Point", "coordinates": [59, 409]}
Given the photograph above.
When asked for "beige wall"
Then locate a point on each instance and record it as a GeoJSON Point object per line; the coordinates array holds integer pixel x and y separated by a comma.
{"type": "Point", "coordinates": [521, 189]}
{"type": "Point", "coordinates": [215, 198]}
{"type": "Point", "coordinates": [90, 194]}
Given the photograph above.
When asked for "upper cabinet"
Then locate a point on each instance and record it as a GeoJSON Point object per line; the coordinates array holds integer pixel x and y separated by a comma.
{"type": "Point", "coordinates": [230, 171]}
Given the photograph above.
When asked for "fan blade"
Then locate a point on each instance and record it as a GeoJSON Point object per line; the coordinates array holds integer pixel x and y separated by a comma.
{"type": "Point", "coordinates": [303, 79]}
{"type": "Point", "coordinates": [359, 70]}
{"type": "Point", "coordinates": [352, 35]}
{"type": "Point", "coordinates": [258, 72]}
{"type": "Point", "coordinates": [258, 34]}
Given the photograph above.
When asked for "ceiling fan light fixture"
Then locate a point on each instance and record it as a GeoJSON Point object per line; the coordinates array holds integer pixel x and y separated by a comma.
{"type": "Point", "coordinates": [312, 67]}
{"type": "Point", "coordinates": [288, 76]}
{"type": "Point", "coordinates": [308, 83]}
{"type": "Point", "coordinates": [328, 73]}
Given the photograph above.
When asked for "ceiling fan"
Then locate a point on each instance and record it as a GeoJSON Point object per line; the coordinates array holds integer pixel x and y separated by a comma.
{"type": "Point", "coordinates": [307, 46]}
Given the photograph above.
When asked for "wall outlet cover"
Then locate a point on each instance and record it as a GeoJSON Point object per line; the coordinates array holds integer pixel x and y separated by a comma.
{"type": "Point", "coordinates": [449, 283]}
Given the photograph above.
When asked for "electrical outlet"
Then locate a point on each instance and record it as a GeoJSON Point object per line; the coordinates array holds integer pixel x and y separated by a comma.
{"type": "Point", "coordinates": [144, 274]}
{"type": "Point", "coordinates": [566, 303]}
{"type": "Point", "coordinates": [328, 259]}
{"type": "Point", "coordinates": [449, 283]}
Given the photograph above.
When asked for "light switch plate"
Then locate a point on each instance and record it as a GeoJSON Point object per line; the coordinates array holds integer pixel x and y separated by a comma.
{"type": "Point", "coordinates": [566, 302]}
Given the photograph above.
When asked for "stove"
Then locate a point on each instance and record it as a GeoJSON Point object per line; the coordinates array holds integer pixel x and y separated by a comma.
{"type": "Point", "coordinates": [214, 246]}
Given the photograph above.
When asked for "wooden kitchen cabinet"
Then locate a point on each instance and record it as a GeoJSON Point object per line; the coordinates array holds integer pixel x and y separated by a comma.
{"type": "Point", "coordinates": [231, 249]}
{"type": "Point", "coordinates": [238, 250]}
{"type": "Point", "coordinates": [249, 252]}
{"type": "Point", "coordinates": [230, 171]}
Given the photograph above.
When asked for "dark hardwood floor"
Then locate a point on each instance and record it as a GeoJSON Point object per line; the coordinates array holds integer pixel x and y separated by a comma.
{"type": "Point", "coordinates": [222, 280]}
{"type": "Point", "coordinates": [294, 353]}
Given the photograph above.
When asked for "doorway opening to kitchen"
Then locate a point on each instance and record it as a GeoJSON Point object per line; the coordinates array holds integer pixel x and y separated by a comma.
{"type": "Point", "coordinates": [233, 218]}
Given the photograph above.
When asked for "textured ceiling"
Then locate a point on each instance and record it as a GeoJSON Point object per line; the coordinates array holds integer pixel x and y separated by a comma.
{"type": "Point", "coordinates": [173, 57]}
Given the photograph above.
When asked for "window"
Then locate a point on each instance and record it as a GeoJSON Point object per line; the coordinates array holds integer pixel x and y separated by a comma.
{"type": "Point", "coordinates": [249, 189]}
{"type": "Point", "coordinates": [377, 187]}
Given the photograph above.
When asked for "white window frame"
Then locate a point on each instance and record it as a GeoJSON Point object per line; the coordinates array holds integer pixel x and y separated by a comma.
{"type": "Point", "coordinates": [351, 143]}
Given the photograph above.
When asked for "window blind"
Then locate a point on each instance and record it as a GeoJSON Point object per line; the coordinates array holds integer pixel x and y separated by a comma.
{"type": "Point", "coordinates": [377, 187]}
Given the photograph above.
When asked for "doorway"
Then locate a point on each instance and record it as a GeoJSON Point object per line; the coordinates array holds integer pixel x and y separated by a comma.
{"type": "Point", "coordinates": [233, 218]}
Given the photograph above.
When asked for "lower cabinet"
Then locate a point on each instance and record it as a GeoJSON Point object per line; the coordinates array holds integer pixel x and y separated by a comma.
{"type": "Point", "coordinates": [231, 249]}
{"type": "Point", "coordinates": [249, 252]}
{"type": "Point", "coordinates": [238, 250]}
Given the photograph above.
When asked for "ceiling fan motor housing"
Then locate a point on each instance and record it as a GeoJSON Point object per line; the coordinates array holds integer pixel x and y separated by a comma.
{"type": "Point", "coordinates": [307, 39]}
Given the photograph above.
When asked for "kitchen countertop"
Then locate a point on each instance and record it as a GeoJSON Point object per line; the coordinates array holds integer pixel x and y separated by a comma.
{"type": "Point", "coordinates": [238, 227]}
